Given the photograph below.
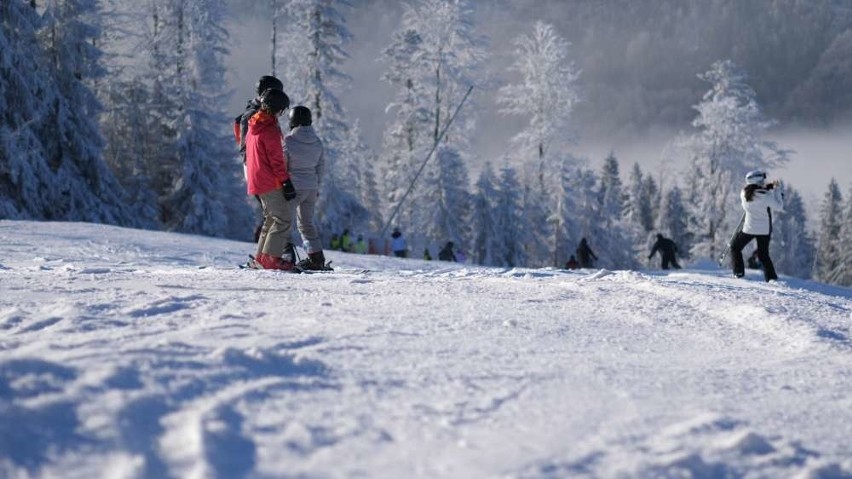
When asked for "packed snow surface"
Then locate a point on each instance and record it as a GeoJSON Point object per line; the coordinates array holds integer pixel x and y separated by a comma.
{"type": "Point", "coordinates": [127, 353]}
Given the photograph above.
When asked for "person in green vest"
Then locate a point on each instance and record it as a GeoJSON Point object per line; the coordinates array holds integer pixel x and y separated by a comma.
{"type": "Point", "coordinates": [360, 245]}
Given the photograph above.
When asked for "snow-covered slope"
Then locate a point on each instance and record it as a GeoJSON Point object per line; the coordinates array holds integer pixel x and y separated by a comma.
{"type": "Point", "coordinates": [128, 353]}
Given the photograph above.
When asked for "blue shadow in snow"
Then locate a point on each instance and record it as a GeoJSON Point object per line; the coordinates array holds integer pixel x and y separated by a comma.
{"type": "Point", "coordinates": [227, 450]}
{"type": "Point", "coordinates": [30, 436]}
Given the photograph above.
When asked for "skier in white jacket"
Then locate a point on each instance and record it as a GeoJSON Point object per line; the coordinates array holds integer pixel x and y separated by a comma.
{"type": "Point", "coordinates": [760, 200]}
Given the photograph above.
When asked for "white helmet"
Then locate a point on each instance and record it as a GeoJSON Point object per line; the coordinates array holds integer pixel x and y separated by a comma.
{"type": "Point", "coordinates": [755, 177]}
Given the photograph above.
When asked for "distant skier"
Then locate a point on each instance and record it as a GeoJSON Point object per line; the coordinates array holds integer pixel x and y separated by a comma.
{"type": "Point", "coordinates": [345, 241]}
{"type": "Point", "coordinates": [400, 250]}
{"type": "Point", "coordinates": [360, 245]}
{"type": "Point", "coordinates": [759, 200]}
{"type": "Point", "coordinates": [572, 263]}
{"type": "Point", "coordinates": [585, 254]}
{"type": "Point", "coordinates": [668, 252]}
{"type": "Point", "coordinates": [269, 180]}
{"type": "Point", "coordinates": [446, 254]}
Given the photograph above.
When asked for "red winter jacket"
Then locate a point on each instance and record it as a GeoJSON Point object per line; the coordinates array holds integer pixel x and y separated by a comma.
{"type": "Point", "coordinates": [266, 167]}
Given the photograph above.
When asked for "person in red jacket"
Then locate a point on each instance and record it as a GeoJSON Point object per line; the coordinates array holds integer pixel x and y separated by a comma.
{"type": "Point", "coordinates": [267, 178]}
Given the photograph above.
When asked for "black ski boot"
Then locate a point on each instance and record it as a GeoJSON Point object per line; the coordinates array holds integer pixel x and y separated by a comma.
{"type": "Point", "coordinates": [314, 262]}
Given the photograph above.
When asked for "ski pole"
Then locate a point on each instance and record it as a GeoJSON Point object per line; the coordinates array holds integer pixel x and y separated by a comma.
{"type": "Point", "coordinates": [423, 165]}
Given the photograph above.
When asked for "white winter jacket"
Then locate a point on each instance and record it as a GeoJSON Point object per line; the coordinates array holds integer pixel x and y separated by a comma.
{"type": "Point", "coordinates": [758, 211]}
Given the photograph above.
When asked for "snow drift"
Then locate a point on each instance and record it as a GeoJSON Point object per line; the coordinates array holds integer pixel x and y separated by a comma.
{"type": "Point", "coordinates": [127, 353]}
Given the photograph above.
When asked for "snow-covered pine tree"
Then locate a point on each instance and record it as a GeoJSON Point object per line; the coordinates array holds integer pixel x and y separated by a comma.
{"type": "Point", "coordinates": [843, 271]}
{"type": "Point", "coordinates": [584, 190]}
{"type": "Point", "coordinates": [638, 209]}
{"type": "Point", "coordinates": [434, 59]}
{"type": "Point", "coordinates": [406, 136]}
{"type": "Point", "coordinates": [562, 222]}
{"type": "Point", "coordinates": [159, 76]}
{"type": "Point", "coordinates": [828, 254]}
{"type": "Point", "coordinates": [145, 105]}
{"type": "Point", "coordinates": [82, 188]}
{"type": "Point", "coordinates": [130, 143]}
{"type": "Point", "coordinates": [26, 95]}
{"type": "Point", "coordinates": [206, 195]}
{"type": "Point", "coordinates": [614, 237]}
{"type": "Point", "coordinates": [654, 195]}
{"type": "Point", "coordinates": [511, 223]}
{"type": "Point", "coordinates": [363, 176]}
{"type": "Point", "coordinates": [133, 140]}
{"type": "Point", "coordinates": [483, 221]}
{"type": "Point", "coordinates": [546, 94]}
{"type": "Point", "coordinates": [538, 211]}
{"type": "Point", "coordinates": [673, 221]}
{"type": "Point", "coordinates": [728, 143]}
{"type": "Point", "coordinates": [445, 189]}
{"type": "Point", "coordinates": [792, 245]}
{"type": "Point", "coordinates": [312, 45]}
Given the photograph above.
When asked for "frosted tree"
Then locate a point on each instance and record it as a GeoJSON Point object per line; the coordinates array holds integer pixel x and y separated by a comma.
{"type": "Point", "coordinates": [638, 209]}
{"type": "Point", "coordinates": [158, 72]}
{"type": "Point", "coordinates": [654, 195]}
{"type": "Point", "coordinates": [432, 61]}
{"type": "Point", "coordinates": [538, 209]}
{"type": "Point", "coordinates": [444, 189]}
{"type": "Point", "coordinates": [673, 221]}
{"type": "Point", "coordinates": [843, 272]}
{"type": "Point", "coordinates": [82, 187]}
{"type": "Point", "coordinates": [547, 94]}
{"type": "Point", "coordinates": [406, 137]}
{"type": "Point", "coordinates": [354, 198]}
{"type": "Point", "coordinates": [131, 144]}
{"type": "Point", "coordinates": [142, 102]}
{"type": "Point", "coordinates": [511, 224]}
{"type": "Point", "coordinates": [483, 221]}
{"type": "Point", "coordinates": [613, 236]}
{"type": "Point", "coordinates": [792, 245]}
{"type": "Point", "coordinates": [139, 99]}
{"type": "Point", "coordinates": [205, 194]}
{"type": "Point", "coordinates": [611, 190]}
{"type": "Point", "coordinates": [584, 190]}
{"type": "Point", "coordinates": [26, 97]}
{"type": "Point", "coordinates": [313, 43]}
{"type": "Point", "coordinates": [363, 176]}
{"type": "Point", "coordinates": [728, 143]}
{"type": "Point", "coordinates": [828, 254]}
{"type": "Point", "coordinates": [563, 220]}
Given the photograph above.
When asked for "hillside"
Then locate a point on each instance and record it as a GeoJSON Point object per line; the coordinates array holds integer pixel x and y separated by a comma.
{"type": "Point", "coordinates": [137, 354]}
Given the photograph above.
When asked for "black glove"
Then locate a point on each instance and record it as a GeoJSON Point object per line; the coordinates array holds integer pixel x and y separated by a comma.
{"type": "Point", "coordinates": [289, 191]}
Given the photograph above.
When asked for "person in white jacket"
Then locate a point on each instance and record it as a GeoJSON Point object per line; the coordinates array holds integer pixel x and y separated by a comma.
{"type": "Point", "coordinates": [759, 200]}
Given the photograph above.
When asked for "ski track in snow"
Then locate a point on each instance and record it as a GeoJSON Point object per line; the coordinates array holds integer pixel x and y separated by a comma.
{"type": "Point", "coordinates": [128, 354]}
